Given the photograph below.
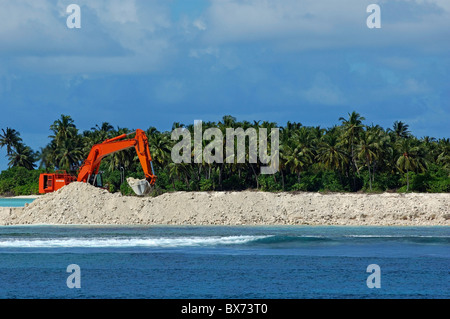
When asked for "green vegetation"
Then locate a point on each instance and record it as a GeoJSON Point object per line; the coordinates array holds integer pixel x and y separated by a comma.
{"type": "Point", "coordinates": [350, 156]}
{"type": "Point", "coordinates": [19, 181]}
{"type": "Point", "coordinates": [19, 155]}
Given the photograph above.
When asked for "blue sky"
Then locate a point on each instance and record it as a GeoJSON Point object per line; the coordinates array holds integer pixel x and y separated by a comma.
{"type": "Point", "coordinates": [151, 63]}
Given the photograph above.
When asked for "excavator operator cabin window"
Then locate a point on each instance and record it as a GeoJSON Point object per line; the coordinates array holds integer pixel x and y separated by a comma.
{"type": "Point", "coordinates": [99, 181]}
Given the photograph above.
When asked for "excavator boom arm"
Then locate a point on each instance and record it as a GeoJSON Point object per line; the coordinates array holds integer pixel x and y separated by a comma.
{"type": "Point", "coordinates": [99, 151]}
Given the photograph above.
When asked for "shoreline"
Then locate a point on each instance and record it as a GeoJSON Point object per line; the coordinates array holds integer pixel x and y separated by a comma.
{"type": "Point", "coordinates": [137, 226]}
{"type": "Point", "coordinates": [21, 197]}
{"type": "Point", "coordinates": [83, 204]}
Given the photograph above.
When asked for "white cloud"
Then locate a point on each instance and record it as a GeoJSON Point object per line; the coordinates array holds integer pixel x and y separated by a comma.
{"type": "Point", "coordinates": [140, 36]}
{"type": "Point", "coordinates": [199, 24]}
{"type": "Point", "coordinates": [255, 19]}
{"type": "Point", "coordinates": [115, 36]}
{"type": "Point", "coordinates": [311, 24]}
{"type": "Point", "coordinates": [412, 86]}
{"type": "Point", "coordinates": [197, 53]}
{"type": "Point", "coordinates": [115, 10]}
{"type": "Point", "coordinates": [323, 91]}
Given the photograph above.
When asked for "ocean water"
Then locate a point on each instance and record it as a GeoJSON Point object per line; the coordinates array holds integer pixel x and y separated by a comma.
{"type": "Point", "coordinates": [204, 262]}
{"type": "Point", "coordinates": [15, 202]}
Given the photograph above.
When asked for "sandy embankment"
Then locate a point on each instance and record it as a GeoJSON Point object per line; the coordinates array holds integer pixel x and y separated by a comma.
{"type": "Point", "coordinates": [80, 203]}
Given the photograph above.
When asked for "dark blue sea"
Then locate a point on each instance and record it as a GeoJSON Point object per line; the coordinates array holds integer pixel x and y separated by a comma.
{"type": "Point", "coordinates": [224, 262]}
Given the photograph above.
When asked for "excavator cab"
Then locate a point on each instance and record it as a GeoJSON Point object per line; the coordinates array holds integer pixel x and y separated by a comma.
{"type": "Point", "coordinates": [96, 180]}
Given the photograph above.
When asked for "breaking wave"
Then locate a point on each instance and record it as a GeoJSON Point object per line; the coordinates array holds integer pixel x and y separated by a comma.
{"type": "Point", "coordinates": [127, 242]}
{"type": "Point", "coordinates": [267, 241]}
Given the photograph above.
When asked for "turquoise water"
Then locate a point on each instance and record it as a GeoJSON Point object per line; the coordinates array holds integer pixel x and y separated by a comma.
{"type": "Point", "coordinates": [286, 262]}
{"type": "Point", "coordinates": [15, 202]}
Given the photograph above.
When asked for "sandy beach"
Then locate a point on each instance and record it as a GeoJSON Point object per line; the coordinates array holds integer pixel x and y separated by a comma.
{"type": "Point", "coordinates": [83, 204]}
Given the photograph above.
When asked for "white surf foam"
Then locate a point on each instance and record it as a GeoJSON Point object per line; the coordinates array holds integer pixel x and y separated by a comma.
{"type": "Point", "coordinates": [127, 242]}
{"type": "Point", "coordinates": [396, 236]}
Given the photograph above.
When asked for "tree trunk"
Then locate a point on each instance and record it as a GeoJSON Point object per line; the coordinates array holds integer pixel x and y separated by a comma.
{"type": "Point", "coordinates": [221, 175]}
{"type": "Point", "coordinates": [355, 165]}
{"type": "Point", "coordinates": [256, 176]}
{"type": "Point", "coordinates": [407, 180]}
{"type": "Point", "coordinates": [373, 171]}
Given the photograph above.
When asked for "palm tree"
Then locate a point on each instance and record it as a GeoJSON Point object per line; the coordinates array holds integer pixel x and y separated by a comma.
{"type": "Point", "coordinates": [444, 153]}
{"type": "Point", "coordinates": [368, 150]}
{"type": "Point", "coordinates": [382, 148]}
{"type": "Point", "coordinates": [69, 154]}
{"type": "Point", "coordinates": [177, 125]}
{"type": "Point", "coordinates": [67, 148]}
{"type": "Point", "coordinates": [228, 121]}
{"type": "Point", "coordinates": [400, 130]}
{"type": "Point", "coordinates": [317, 132]}
{"type": "Point", "coordinates": [181, 170]}
{"type": "Point", "coordinates": [297, 160]}
{"type": "Point", "coordinates": [9, 138]}
{"type": "Point", "coordinates": [22, 156]}
{"type": "Point", "coordinates": [103, 132]}
{"type": "Point", "coordinates": [283, 159]}
{"type": "Point", "coordinates": [63, 129]}
{"type": "Point", "coordinates": [299, 152]}
{"type": "Point", "coordinates": [47, 156]}
{"type": "Point", "coordinates": [160, 148]}
{"type": "Point", "coordinates": [353, 128]}
{"type": "Point", "coordinates": [330, 152]}
{"type": "Point", "coordinates": [412, 158]}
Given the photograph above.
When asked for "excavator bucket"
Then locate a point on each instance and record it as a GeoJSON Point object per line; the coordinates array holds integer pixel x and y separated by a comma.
{"type": "Point", "coordinates": [139, 186]}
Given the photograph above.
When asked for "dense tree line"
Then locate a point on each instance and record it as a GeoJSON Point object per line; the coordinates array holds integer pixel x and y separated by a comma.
{"type": "Point", "coordinates": [350, 156]}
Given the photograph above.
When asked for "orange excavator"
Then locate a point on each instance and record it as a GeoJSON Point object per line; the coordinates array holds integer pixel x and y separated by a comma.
{"type": "Point", "coordinates": [89, 171]}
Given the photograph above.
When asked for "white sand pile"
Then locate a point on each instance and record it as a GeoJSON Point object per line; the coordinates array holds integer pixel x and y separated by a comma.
{"type": "Point", "coordinates": [80, 203]}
